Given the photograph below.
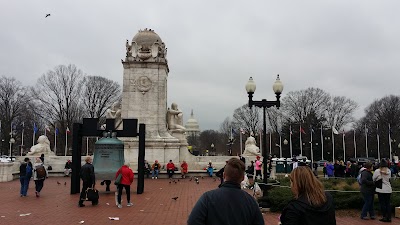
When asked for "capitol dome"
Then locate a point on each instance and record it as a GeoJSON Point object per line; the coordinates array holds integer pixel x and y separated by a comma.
{"type": "Point", "coordinates": [192, 126]}
{"type": "Point", "coordinates": [146, 37]}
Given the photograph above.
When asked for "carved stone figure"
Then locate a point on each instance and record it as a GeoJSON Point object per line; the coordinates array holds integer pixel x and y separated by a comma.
{"type": "Point", "coordinates": [251, 148]}
{"type": "Point", "coordinates": [115, 113]}
{"type": "Point", "coordinates": [128, 49]}
{"type": "Point", "coordinates": [174, 119]}
{"type": "Point", "coordinates": [42, 147]}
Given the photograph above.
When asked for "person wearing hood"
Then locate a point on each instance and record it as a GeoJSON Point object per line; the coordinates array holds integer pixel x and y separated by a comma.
{"type": "Point", "coordinates": [367, 189]}
{"type": "Point", "coordinates": [126, 181]}
{"type": "Point", "coordinates": [311, 204]}
{"type": "Point", "coordinates": [381, 178]}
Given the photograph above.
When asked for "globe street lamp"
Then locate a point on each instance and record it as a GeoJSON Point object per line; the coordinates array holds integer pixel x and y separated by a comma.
{"type": "Point", "coordinates": [12, 141]}
{"type": "Point", "coordinates": [264, 104]}
{"type": "Point", "coordinates": [212, 149]}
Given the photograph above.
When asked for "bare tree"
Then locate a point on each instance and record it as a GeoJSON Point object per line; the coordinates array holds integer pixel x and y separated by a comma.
{"type": "Point", "coordinates": [13, 102]}
{"type": "Point", "coordinates": [99, 93]}
{"type": "Point", "coordinates": [379, 114]}
{"type": "Point", "coordinates": [247, 119]}
{"type": "Point", "coordinates": [298, 104]}
{"type": "Point", "coordinates": [58, 94]}
{"type": "Point", "coordinates": [225, 128]}
{"type": "Point", "coordinates": [340, 111]}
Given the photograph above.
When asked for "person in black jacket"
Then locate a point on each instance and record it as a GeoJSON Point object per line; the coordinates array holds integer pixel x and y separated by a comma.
{"type": "Point", "coordinates": [88, 180]}
{"type": "Point", "coordinates": [367, 189]}
{"type": "Point", "coordinates": [311, 204]}
{"type": "Point", "coordinates": [227, 204]}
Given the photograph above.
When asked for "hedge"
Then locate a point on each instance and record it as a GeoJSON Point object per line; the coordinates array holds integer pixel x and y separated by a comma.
{"type": "Point", "coordinates": [280, 196]}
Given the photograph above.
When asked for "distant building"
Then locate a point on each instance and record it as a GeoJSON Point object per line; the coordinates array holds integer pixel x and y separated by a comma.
{"type": "Point", "coordinates": [192, 126]}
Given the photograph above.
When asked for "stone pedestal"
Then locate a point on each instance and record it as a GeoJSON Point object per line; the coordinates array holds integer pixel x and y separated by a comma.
{"type": "Point", "coordinates": [6, 171]}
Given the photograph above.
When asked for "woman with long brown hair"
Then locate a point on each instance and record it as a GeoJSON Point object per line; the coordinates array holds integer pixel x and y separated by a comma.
{"type": "Point", "coordinates": [311, 204]}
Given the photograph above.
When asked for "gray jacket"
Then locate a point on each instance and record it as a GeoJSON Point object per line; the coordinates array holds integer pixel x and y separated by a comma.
{"type": "Point", "coordinates": [385, 176]}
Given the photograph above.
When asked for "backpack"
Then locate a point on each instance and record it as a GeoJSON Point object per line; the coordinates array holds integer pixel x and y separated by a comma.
{"type": "Point", "coordinates": [359, 179]}
{"type": "Point", "coordinates": [28, 170]}
{"type": "Point", "coordinates": [40, 172]}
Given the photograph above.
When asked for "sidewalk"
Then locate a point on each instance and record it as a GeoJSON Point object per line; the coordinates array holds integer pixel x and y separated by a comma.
{"type": "Point", "coordinates": [154, 206]}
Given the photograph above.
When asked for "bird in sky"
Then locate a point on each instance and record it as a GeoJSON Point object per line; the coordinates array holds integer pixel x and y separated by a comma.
{"type": "Point", "coordinates": [175, 198]}
{"type": "Point", "coordinates": [47, 15]}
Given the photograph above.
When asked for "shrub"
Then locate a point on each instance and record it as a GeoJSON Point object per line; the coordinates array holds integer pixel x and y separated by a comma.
{"type": "Point", "coordinates": [279, 198]}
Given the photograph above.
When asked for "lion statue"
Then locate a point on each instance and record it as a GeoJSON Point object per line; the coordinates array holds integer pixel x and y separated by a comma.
{"type": "Point", "coordinates": [42, 147]}
{"type": "Point", "coordinates": [251, 148]}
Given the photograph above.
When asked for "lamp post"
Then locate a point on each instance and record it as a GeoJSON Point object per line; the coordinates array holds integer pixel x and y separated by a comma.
{"type": "Point", "coordinates": [286, 142]}
{"type": "Point", "coordinates": [212, 149]}
{"type": "Point", "coordinates": [264, 104]}
{"type": "Point", "coordinates": [12, 141]}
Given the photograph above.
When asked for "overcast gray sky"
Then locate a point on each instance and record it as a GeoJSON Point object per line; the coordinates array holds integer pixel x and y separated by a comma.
{"type": "Point", "coordinates": [344, 47]}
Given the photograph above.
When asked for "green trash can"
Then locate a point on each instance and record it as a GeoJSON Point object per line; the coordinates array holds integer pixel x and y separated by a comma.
{"type": "Point", "coordinates": [280, 167]}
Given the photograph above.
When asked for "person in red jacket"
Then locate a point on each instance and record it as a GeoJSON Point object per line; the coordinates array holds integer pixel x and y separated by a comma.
{"type": "Point", "coordinates": [184, 169]}
{"type": "Point", "coordinates": [170, 169]}
{"type": "Point", "coordinates": [126, 181]}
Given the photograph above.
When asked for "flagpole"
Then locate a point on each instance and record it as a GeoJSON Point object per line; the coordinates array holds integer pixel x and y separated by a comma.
{"type": "Point", "coordinates": [280, 145]}
{"type": "Point", "coordinates": [55, 140]}
{"type": "Point", "coordinates": [66, 141]}
{"type": "Point", "coordinates": [10, 139]}
{"type": "Point", "coordinates": [311, 143]}
{"type": "Point", "coordinates": [344, 146]}
{"type": "Point", "coordinates": [33, 137]}
{"type": "Point", "coordinates": [241, 147]}
{"type": "Point", "coordinates": [270, 143]}
{"type": "Point", "coordinates": [301, 144]}
{"type": "Point", "coordinates": [354, 142]}
{"type": "Point", "coordinates": [87, 146]}
{"type": "Point", "coordinates": [261, 147]}
{"type": "Point", "coordinates": [377, 138]}
{"type": "Point", "coordinates": [390, 144]}
{"type": "Point", "coordinates": [333, 146]}
{"type": "Point", "coordinates": [366, 140]}
{"type": "Point", "coordinates": [261, 141]}
{"type": "Point", "coordinates": [322, 144]}
{"type": "Point", "coordinates": [22, 136]}
{"type": "Point", "coordinates": [290, 140]}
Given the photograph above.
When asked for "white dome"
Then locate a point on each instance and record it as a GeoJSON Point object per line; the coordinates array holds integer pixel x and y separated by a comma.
{"type": "Point", "coordinates": [192, 125]}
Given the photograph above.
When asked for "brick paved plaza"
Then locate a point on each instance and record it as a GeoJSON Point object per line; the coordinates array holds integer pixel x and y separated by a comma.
{"type": "Point", "coordinates": [154, 206]}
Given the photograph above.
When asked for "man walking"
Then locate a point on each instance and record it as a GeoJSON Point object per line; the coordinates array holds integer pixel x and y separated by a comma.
{"type": "Point", "coordinates": [228, 204]}
{"type": "Point", "coordinates": [88, 180]}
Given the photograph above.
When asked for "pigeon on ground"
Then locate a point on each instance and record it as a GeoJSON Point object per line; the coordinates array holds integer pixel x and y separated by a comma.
{"type": "Point", "coordinates": [202, 177]}
{"type": "Point", "coordinates": [215, 179]}
{"type": "Point", "coordinates": [178, 180]}
{"type": "Point", "coordinates": [65, 183]}
{"type": "Point", "coordinates": [58, 183]}
{"type": "Point", "coordinates": [175, 198]}
{"type": "Point", "coordinates": [47, 15]}
{"type": "Point", "coordinates": [197, 181]}
{"type": "Point", "coordinates": [191, 178]}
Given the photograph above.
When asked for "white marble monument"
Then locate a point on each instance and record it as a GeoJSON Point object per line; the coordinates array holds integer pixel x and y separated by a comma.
{"type": "Point", "coordinates": [144, 97]}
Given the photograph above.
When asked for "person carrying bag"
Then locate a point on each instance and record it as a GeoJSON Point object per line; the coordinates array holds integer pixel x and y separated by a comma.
{"type": "Point", "coordinates": [124, 179]}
